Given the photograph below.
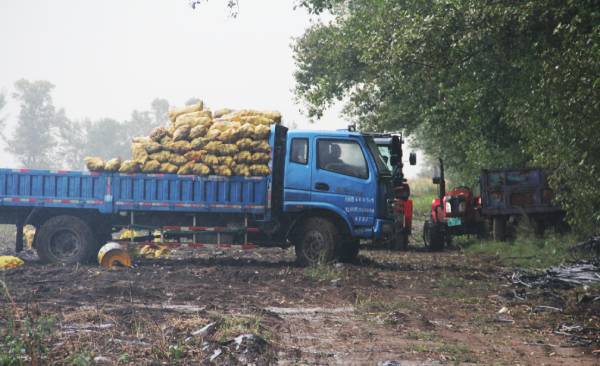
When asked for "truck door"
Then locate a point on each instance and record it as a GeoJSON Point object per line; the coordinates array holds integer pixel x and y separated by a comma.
{"type": "Point", "coordinates": [297, 171]}
{"type": "Point", "coordinates": [341, 177]}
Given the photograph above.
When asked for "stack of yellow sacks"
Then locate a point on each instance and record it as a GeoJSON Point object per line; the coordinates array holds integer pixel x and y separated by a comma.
{"type": "Point", "coordinates": [200, 142]}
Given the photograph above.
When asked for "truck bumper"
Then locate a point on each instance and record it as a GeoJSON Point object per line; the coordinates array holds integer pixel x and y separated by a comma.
{"type": "Point", "coordinates": [383, 228]}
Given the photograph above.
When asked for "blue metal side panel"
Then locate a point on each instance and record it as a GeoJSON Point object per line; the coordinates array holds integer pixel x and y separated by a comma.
{"type": "Point", "coordinates": [51, 188]}
{"type": "Point", "coordinates": [170, 192]}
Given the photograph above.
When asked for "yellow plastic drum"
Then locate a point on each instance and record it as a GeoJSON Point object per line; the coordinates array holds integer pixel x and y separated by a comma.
{"type": "Point", "coordinates": [112, 255]}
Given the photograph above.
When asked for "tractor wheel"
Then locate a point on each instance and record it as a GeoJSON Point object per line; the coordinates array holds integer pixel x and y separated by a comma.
{"type": "Point", "coordinates": [316, 242]}
{"type": "Point", "coordinates": [499, 228]}
{"type": "Point", "coordinates": [433, 236]}
{"type": "Point", "coordinates": [66, 239]}
{"type": "Point", "coordinates": [400, 241]}
{"type": "Point", "coordinates": [348, 250]}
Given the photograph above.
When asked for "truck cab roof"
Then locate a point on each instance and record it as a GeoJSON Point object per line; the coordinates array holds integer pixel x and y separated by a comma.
{"type": "Point", "coordinates": [322, 133]}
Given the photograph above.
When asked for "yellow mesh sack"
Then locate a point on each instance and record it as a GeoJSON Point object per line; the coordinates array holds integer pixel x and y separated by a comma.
{"type": "Point", "coordinates": [180, 147]}
{"type": "Point", "coordinates": [261, 132]}
{"type": "Point", "coordinates": [181, 133]}
{"type": "Point", "coordinates": [257, 120]}
{"type": "Point", "coordinates": [223, 170]}
{"type": "Point", "coordinates": [226, 161]}
{"type": "Point", "coordinates": [227, 150]}
{"type": "Point", "coordinates": [168, 168]}
{"type": "Point", "coordinates": [259, 170]}
{"type": "Point", "coordinates": [186, 169]}
{"type": "Point", "coordinates": [244, 144]}
{"type": "Point", "coordinates": [176, 112]}
{"type": "Point", "coordinates": [213, 147]}
{"type": "Point", "coordinates": [241, 170]}
{"type": "Point", "coordinates": [130, 166]}
{"type": "Point", "coordinates": [221, 112]}
{"type": "Point", "coordinates": [198, 131]}
{"type": "Point", "coordinates": [260, 158]}
{"type": "Point", "coordinates": [198, 143]}
{"type": "Point", "coordinates": [151, 166]}
{"type": "Point", "coordinates": [262, 146]}
{"type": "Point", "coordinates": [246, 130]}
{"type": "Point", "coordinates": [161, 157]}
{"type": "Point", "coordinates": [178, 160]}
{"type": "Point", "coordinates": [200, 169]}
{"type": "Point", "coordinates": [94, 164]}
{"type": "Point", "coordinates": [158, 133]}
{"type": "Point", "coordinates": [210, 160]}
{"type": "Point", "coordinates": [139, 153]}
{"type": "Point", "coordinates": [113, 165]}
{"type": "Point", "coordinates": [195, 155]}
{"type": "Point", "coordinates": [243, 157]}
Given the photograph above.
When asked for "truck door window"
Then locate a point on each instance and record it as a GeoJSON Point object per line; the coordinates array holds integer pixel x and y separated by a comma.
{"type": "Point", "coordinates": [299, 151]}
{"type": "Point", "coordinates": [343, 157]}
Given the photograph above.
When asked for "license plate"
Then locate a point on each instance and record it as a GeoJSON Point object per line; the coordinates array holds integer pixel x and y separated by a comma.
{"type": "Point", "coordinates": [454, 221]}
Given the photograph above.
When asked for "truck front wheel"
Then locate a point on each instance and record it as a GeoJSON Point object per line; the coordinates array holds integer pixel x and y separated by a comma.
{"type": "Point", "coordinates": [65, 239]}
{"type": "Point", "coordinates": [316, 241]}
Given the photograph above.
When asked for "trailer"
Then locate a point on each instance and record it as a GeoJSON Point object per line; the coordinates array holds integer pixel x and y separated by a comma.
{"type": "Point", "coordinates": [327, 190]}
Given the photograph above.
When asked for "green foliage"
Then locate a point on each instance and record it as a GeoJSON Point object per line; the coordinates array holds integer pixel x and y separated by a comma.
{"type": "Point", "coordinates": [482, 85]}
{"type": "Point", "coordinates": [25, 340]}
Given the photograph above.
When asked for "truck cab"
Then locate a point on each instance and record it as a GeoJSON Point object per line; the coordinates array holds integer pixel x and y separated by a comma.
{"type": "Point", "coordinates": [337, 187]}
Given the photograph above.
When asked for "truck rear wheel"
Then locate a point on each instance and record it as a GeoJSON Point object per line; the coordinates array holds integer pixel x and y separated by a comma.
{"type": "Point", "coordinates": [348, 250]}
{"type": "Point", "coordinates": [316, 241]}
{"type": "Point", "coordinates": [66, 239]}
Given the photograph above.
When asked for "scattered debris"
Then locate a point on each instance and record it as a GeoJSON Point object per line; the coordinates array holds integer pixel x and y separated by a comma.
{"type": "Point", "coordinates": [216, 354]}
{"type": "Point", "coordinates": [204, 331]}
{"type": "Point", "coordinates": [565, 276]}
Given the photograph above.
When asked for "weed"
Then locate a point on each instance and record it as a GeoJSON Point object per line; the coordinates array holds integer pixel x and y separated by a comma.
{"type": "Point", "coordinates": [455, 352]}
{"type": "Point", "coordinates": [232, 326]}
{"type": "Point", "coordinates": [80, 358]}
{"type": "Point", "coordinates": [422, 336]}
{"type": "Point", "coordinates": [525, 251]}
{"type": "Point", "coordinates": [325, 272]}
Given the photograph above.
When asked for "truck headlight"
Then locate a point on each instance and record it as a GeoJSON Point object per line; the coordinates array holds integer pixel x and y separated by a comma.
{"type": "Point", "coordinates": [462, 207]}
{"type": "Point", "coordinates": [448, 207]}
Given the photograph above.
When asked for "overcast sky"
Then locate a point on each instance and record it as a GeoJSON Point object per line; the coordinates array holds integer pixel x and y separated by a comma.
{"type": "Point", "coordinates": [107, 58]}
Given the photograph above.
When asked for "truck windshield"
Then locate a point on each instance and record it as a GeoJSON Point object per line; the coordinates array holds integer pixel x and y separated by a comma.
{"type": "Point", "coordinates": [379, 161]}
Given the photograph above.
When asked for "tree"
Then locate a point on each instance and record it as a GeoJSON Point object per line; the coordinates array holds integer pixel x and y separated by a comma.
{"type": "Point", "coordinates": [33, 140]}
{"type": "Point", "coordinates": [160, 107]}
{"type": "Point", "coordinates": [493, 84]}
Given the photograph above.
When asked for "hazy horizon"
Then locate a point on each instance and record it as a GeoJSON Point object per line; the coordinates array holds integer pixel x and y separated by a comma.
{"type": "Point", "coordinates": [109, 58]}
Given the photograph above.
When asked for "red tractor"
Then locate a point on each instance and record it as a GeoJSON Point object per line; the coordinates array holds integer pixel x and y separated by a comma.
{"type": "Point", "coordinates": [456, 212]}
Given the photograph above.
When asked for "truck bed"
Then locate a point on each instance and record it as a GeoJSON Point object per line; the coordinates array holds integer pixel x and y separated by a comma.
{"type": "Point", "coordinates": [113, 192]}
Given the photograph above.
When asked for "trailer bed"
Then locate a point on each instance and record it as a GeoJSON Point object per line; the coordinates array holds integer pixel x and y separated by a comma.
{"type": "Point", "coordinates": [114, 192]}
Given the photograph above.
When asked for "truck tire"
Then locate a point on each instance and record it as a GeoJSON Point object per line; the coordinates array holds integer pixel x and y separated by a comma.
{"type": "Point", "coordinates": [316, 242]}
{"type": "Point", "coordinates": [348, 250]}
{"type": "Point", "coordinates": [66, 239]}
{"type": "Point", "coordinates": [499, 228]}
{"type": "Point", "coordinates": [433, 237]}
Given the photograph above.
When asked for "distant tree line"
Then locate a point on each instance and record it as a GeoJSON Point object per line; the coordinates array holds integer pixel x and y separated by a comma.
{"type": "Point", "coordinates": [482, 84]}
{"type": "Point", "coordinates": [44, 136]}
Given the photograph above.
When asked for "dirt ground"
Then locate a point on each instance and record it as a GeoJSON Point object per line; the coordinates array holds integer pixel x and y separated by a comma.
{"type": "Point", "coordinates": [258, 307]}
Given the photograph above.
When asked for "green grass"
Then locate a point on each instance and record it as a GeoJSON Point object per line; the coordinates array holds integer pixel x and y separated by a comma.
{"type": "Point", "coordinates": [422, 204]}
{"type": "Point", "coordinates": [524, 252]}
{"type": "Point", "coordinates": [325, 272]}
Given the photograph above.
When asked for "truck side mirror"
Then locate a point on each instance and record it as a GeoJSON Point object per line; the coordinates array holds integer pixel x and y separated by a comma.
{"type": "Point", "coordinates": [436, 180]}
{"type": "Point", "coordinates": [412, 158]}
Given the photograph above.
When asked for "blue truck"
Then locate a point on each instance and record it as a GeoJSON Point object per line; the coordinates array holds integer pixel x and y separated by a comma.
{"type": "Point", "coordinates": [326, 192]}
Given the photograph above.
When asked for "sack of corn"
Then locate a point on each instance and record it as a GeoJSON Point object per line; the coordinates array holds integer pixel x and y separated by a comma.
{"type": "Point", "coordinates": [113, 165]}
{"type": "Point", "coordinates": [94, 164]}
{"type": "Point", "coordinates": [176, 112]}
{"type": "Point", "coordinates": [130, 166]}
{"type": "Point", "coordinates": [200, 142]}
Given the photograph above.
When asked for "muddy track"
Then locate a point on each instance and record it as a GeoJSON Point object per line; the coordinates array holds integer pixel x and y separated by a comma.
{"type": "Point", "coordinates": [414, 307]}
